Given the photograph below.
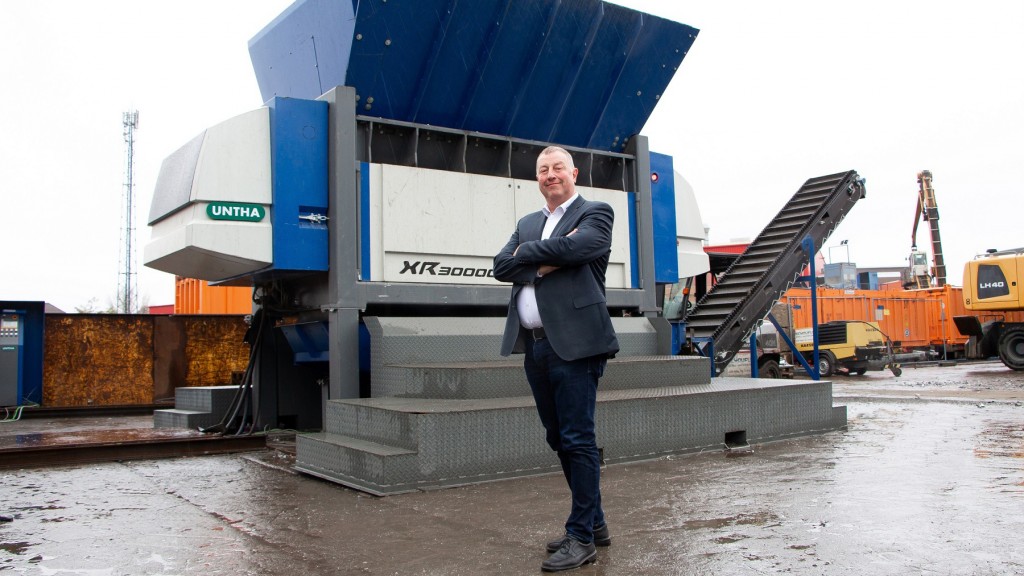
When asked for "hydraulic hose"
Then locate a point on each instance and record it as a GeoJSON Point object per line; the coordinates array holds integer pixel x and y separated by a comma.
{"type": "Point", "coordinates": [245, 386]}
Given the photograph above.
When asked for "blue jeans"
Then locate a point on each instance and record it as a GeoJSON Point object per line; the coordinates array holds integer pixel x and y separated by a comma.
{"type": "Point", "coordinates": [566, 397]}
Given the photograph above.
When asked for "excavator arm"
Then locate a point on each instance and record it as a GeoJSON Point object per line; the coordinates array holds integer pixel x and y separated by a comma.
{"type": "Point", "coordinates": [928, 210]}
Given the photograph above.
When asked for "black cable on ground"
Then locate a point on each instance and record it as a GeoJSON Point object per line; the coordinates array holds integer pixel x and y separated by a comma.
{"type": "Point", "coordinates": [245, 386]}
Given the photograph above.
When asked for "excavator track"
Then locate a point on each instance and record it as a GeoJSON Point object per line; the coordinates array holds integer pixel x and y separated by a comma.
{"type": "Point", "coordinates": [723, 319]}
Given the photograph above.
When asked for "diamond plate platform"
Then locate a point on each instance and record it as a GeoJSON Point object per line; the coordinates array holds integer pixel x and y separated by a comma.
{"type": "Point", "coordinates": [447, 410]}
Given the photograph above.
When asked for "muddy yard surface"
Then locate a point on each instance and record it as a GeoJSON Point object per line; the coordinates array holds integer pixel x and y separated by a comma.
{"type": "Point", "coordinates": [981, 381]}
{"type": "Point", "coordinates": [928, 479]}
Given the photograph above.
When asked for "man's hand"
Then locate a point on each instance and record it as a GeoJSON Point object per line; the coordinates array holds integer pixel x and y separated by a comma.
{"type": "Point", "coordinates": [545, 269]}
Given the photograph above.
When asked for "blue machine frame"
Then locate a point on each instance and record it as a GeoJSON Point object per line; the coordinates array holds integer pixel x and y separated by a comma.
{"type": "Point", "coordinates": [298, 156]}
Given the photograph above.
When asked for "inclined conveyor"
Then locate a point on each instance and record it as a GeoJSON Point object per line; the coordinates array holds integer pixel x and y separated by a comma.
{"type": "Point", "coordinates": [721, 321]}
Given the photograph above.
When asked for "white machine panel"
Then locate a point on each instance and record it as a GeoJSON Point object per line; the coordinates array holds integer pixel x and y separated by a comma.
{"type": "Point", "coordinates": [690, 233]}
{"type": "Point", "coordinates": [229, 162]}
{"type": "Point", "coordinates": [529, 199]}
{"type": "Point", "coordinates": [443, 227]}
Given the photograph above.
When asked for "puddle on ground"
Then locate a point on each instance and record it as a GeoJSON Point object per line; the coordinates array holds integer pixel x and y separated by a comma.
{"type": "Point", "coordinates": [738, 520]}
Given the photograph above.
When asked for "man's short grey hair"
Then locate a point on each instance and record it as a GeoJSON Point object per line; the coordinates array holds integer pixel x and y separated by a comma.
{"type": "Point", "coordinates": [559, 150]}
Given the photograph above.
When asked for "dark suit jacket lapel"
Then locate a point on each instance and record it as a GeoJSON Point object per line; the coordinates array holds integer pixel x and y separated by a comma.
{"type": "Point", "coordinates": [569, 219]}
{"type": "Point", "coordinates": [534, 227]}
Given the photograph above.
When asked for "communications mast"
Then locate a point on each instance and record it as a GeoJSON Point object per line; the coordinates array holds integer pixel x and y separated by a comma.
{"type": "Point", "coordinates": [127, 298]}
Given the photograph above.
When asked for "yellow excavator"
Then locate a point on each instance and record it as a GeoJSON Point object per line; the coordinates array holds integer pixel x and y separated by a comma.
{"type": "Point", "coordinates": [992, 284]}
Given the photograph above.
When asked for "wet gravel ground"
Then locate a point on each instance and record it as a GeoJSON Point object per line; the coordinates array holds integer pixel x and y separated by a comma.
{"type": "Point", "coordinates": [967, 381]}
{"type": "Point", "coordinates": [928, 479]}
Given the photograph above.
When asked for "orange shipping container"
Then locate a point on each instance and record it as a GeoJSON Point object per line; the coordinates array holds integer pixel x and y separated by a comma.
{"type": "Point", "coordinates": [192, 296]}
{"type": "Point", "coordinates": [912, 319]}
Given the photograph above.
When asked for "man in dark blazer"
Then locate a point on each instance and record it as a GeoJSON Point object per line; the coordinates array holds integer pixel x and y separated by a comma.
{"type": "Point", "coordinates": [558, 317]}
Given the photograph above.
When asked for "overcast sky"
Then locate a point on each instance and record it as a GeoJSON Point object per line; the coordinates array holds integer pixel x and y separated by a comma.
{"type": "Point", "coordinates": [771, 94]}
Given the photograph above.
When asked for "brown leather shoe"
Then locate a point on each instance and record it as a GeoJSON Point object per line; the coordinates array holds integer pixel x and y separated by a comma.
{"type": "Point", "coordinates": [572, 554]}
{"type": "Point", "coordinates": [601, 538]}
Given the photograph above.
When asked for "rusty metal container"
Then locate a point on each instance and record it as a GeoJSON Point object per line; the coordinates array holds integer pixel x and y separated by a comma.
{"type": "Point", "coordinates": [136, 359]}
{"type": "Point", "coordinates": [97, 360]}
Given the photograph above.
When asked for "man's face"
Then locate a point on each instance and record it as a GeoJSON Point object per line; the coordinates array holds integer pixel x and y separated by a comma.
{"type": "Point", "coordinates": [556, 177]}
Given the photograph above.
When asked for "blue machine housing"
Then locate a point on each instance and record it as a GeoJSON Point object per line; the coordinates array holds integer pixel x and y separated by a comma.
{"type": "Point", "coordinates": [584, 73]}
{"type": "Point", "coordinates": [298, 155]}
{"type": "Point", "coordinates": [663, 201]}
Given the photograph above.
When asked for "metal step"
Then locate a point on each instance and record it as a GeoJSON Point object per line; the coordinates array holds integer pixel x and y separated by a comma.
{"type": "Point", "coordinates": [355, 463]}
{"type": "Point", "coordinates": [754, 282]}
{"type": "Point", "coordinates": [204, 398]}
{"type": "Point", "coordinates": [649, 405]}
{"type": "Point", "coordinates": [495, 379]}
{"type": "Point", "coordinates": [419, 341]}
{"type": "Point", "coordinates": [394, 445]}
{"type": "Point", "coordinates": [177, 418]}
{"type": "Point", "coordinates": [196, 406]}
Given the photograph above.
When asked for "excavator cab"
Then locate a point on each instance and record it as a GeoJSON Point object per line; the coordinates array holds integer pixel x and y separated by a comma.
{"type": "Point", "coordinates": [916, 275]}
{"type": "Point", "coordinates": [992, 285]}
